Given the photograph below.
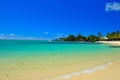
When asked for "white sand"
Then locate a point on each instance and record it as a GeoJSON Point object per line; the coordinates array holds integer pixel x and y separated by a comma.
{"type": "Point", "coordinates": [117, 43]}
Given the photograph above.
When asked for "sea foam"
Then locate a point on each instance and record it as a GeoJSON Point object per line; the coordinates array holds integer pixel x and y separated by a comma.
{"type": "Point", "coordinates": [86, 71]}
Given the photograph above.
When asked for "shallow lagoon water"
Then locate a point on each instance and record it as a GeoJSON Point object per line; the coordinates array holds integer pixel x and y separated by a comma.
{"type": "Point", "coordinates": [34, 59]}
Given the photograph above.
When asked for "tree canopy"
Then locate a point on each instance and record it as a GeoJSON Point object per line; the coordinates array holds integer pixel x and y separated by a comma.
{"type": "Point", "coordinates": [92, 38]}
{"type": "Point", "coordinates": [113, 35]}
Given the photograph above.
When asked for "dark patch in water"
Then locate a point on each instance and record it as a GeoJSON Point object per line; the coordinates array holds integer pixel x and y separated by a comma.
{"type": "Point", "coordinates": [115, 46]}
{"type": "Point", "coordinates": [12, 68]}
{"type": "Point", "coordinates": [7, 75]}
{"type": "Point", "coordinates": [22, 63]}
{"type": "Point", "coordinates": [68, 42]}
{"type": "Point", "coordinates": [37, 42]}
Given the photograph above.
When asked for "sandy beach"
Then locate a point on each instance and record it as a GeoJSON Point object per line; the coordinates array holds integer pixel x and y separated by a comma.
{"type": "Point", "coordinates": [112, 72]}
{"type": "Point", "coordinates": [115, 43]}
{"type": "Point", "coordinates": [58, 61]}
{"type": "Point", "coordinates": [59, 39]}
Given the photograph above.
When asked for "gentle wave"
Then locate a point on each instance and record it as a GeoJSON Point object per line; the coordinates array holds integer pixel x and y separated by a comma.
{"type": "Point", "coordinates": [86, 71]}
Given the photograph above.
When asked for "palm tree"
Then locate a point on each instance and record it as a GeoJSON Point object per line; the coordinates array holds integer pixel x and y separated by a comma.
{"type": "Point", "coordinates": [70, 38]}
{"type": "Point", "coordinates": [79, 37]}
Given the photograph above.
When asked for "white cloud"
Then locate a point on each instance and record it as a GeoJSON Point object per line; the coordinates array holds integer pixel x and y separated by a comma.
{"type": "Point", "coordinates": [45, 32]}
{"type": "Point", "coordinates": [20, 37]}
{"type": "Point", "coordinates": [115, 6]}
{"type": "Point", "coordinates": [7, 36]}
{"type": "Point", "coordinates": [11, 34]}
{"type": "Point", "coordinates": [59, 34]}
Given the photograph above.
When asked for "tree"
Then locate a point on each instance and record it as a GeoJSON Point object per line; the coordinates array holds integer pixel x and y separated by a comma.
{"type": "Point", "coordinates": [61, 39]}
{"type": "Point", "coordinates": [100, 36]}
{"type": "Point", "coordinates": [113, 35]}
{"type": "Point", "coordinates": [70, 38]}
{"type": "Point", "coordinates": [92, 38]}
{"type": "Point", "coordinates": [80, 37]}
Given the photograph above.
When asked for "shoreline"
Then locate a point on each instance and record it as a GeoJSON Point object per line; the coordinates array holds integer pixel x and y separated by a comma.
{"type": "Point", "coordinates": [112, 43]}
{"type": "Point", "coordinates": [83, 72]}
{"type": "Point", "coordinates": [80, 62]}
{"type": "Point", "coordinates": [105, 71]}
{"type": "Point", "coordinates": [110, 73]}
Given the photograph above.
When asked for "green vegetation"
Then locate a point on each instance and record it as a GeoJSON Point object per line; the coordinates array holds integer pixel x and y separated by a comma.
{"type": "Point", "coordinates": [114, 36]}
{"type": "Point", "coordinates": [92, 38]}
{"type": "Point", "coordinates": [70, 38]}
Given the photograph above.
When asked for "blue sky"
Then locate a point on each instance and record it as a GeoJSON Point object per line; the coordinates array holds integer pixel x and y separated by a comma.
{"type": "Point", "coordinates": [48, 19]}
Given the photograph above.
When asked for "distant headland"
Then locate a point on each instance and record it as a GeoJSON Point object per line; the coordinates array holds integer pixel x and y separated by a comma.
{"type": "Point", "coordinates": [112, 36]}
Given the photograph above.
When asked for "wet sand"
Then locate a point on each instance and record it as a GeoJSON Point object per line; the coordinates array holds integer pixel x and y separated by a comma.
{"type": "Point", "coordinates": [112, 72]}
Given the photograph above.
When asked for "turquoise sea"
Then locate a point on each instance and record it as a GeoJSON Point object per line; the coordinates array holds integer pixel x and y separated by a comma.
{"type": "Point", "coordinates": [44, 60]}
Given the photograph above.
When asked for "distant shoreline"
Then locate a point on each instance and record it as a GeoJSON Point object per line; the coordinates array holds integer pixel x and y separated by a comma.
{"type": "Point", "coordinates": [113, 43]}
